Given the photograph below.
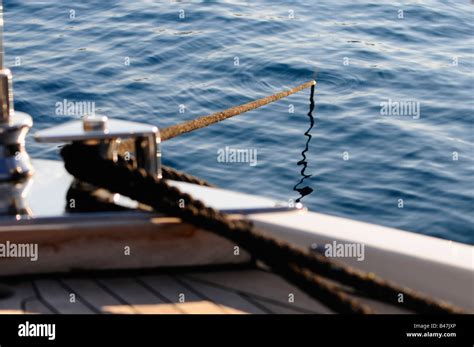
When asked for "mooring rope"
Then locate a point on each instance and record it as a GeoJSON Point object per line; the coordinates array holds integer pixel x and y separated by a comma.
{"type": "Point", "coordinates": [298, 266]}
{"type": "Point", "coordinates": [204, 121]}
{"type": "Point", "coordinates": [85, 164]}
{"type": "Point", "coordinates": [87, 201]}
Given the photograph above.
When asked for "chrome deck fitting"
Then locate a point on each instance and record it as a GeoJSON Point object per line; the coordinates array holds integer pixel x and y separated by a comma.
{"type": "Point", "coordinates": [136, 143]}
{"type": "Point", "coordinates": [15, 163]}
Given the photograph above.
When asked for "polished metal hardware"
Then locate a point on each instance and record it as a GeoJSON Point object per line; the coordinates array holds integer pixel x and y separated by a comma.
{"type": "Point", "coordinates": [15, 163]}
{"type": "Point", "coordinates": [137, 143]}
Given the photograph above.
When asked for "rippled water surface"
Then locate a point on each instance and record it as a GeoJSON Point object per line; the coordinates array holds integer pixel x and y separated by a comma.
{"type": "Point", "coordinates": [361, 54]}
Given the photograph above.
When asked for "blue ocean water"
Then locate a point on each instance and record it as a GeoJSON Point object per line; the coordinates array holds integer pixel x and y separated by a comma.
{"type": "Point", "coordinates": [166, 62]}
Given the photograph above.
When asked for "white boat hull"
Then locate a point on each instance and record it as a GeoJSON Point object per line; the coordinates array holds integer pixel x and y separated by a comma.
{"type": "Point", "coordinates": [111, 241]}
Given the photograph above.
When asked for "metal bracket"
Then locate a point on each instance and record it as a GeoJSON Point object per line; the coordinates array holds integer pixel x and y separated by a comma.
{"type": "Point", "coordinates": [137, 143]}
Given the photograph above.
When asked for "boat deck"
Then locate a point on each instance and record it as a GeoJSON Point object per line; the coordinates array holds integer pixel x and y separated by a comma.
{"type": "Point", "coordinates": [199, 292]}
{"type": "Point", "coordinates": [216, 292]}
{"type": "Point", "coordinates": [89, 248]}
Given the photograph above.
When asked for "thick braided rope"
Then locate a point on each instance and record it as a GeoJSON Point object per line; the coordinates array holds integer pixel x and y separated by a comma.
{"type": "Point", "coordinates": [138, 185]}
{"type": "Point", "coordinates": [165, 198]}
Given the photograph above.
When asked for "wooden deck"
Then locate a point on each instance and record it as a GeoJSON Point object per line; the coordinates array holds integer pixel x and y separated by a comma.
{"type": "Point", "coordinates": [216, 289]}
{"type": "Point", "coordinates": [216, 292]}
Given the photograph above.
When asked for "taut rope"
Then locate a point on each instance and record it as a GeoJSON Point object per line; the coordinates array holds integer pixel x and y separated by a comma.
{"type": "Point", "coordinates": [204, 121]}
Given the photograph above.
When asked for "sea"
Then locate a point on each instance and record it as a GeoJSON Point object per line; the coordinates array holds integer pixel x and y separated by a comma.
{"type": "Point", "coordinates": [387, 137]}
